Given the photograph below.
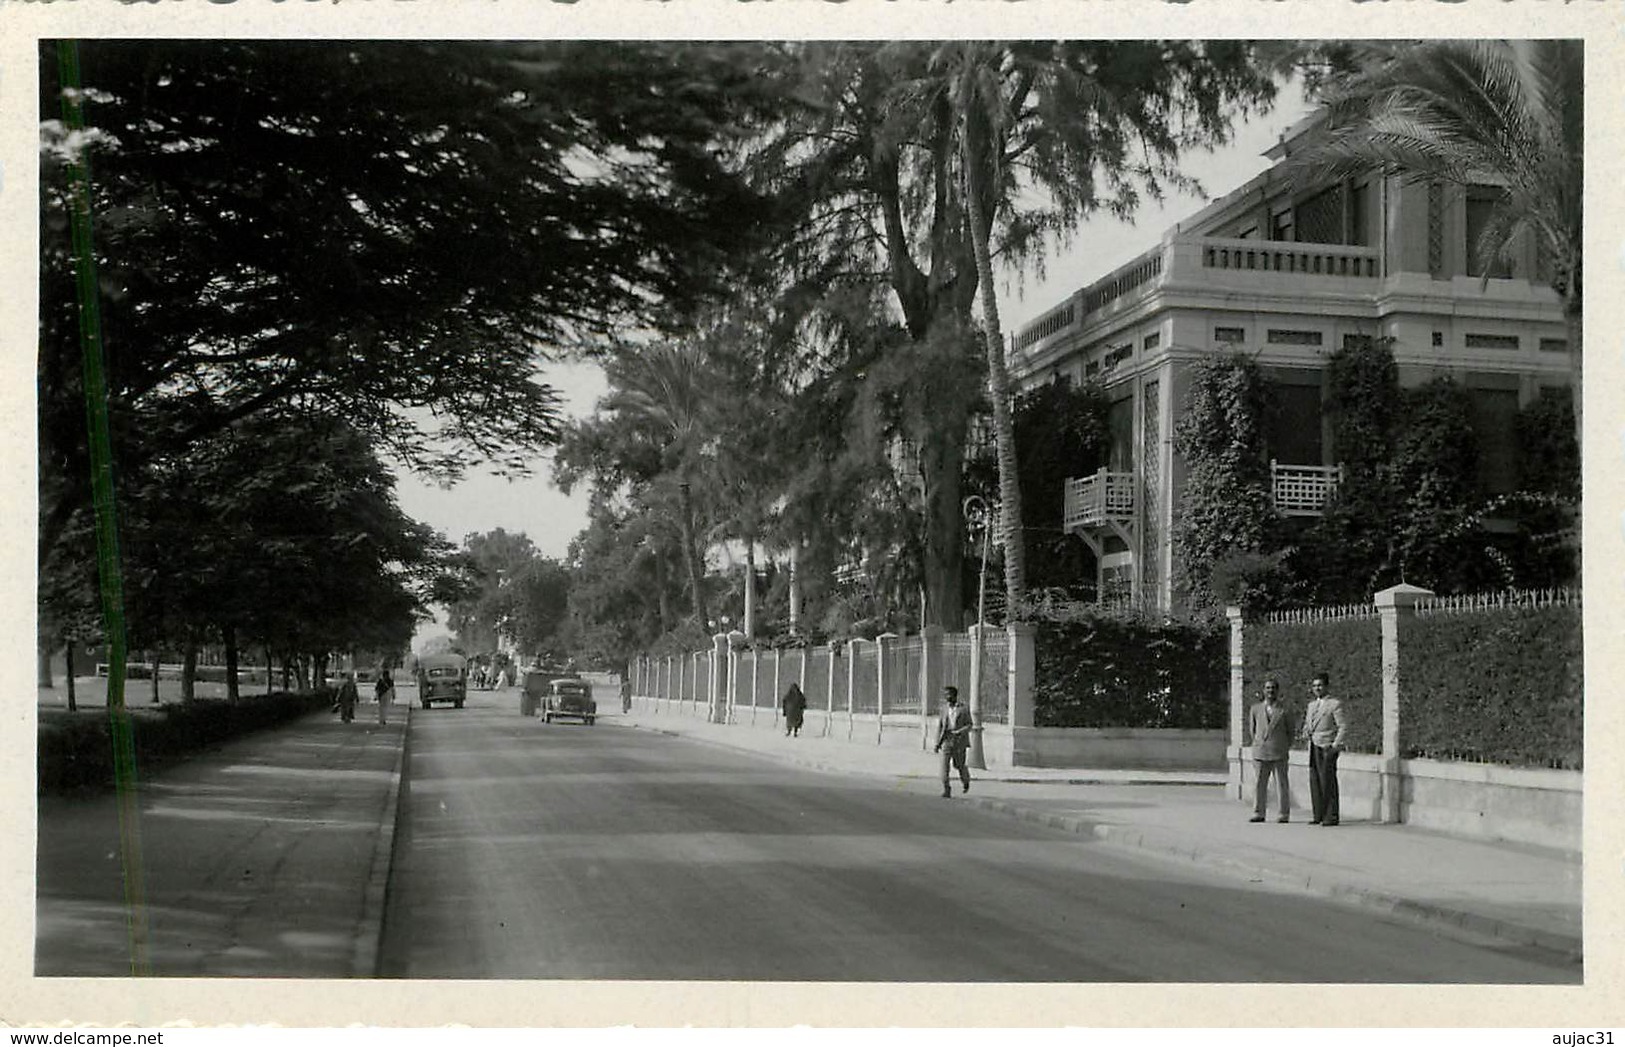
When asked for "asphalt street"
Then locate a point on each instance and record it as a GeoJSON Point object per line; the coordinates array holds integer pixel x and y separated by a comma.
{"type": "Point", "coordinates": [529, 850]}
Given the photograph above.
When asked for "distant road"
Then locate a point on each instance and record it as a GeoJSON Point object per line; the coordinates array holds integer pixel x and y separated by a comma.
{"type": "Point", "coordinates": [567, 851]}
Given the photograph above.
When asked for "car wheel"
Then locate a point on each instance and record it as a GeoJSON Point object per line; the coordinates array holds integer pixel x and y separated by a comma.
{"type": "Point", "coordinates": [425, 703]}
{"type": "Point", "coordinates": [458, 704]}
{"type": "Point", "coordinates": [589, 721]}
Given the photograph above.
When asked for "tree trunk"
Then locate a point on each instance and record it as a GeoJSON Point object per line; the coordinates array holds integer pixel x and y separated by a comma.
{"type": "Point", "coordinates": [157, 666]}
{"type": "Point", "coordinates": [73, 699]}
{"type": "Point", "coordinates": [46, 682]}
{"type": "Point", "coordinates": [998, 387]}
{"type": "Point", "coordinates": [696, 570]}
{"type": "Point", "coordinates": [941, 462]}
{"type": "Point", "coordinates": [662, 594]}
{"type": "Point", "coordinates": [270, 670]}
{"type": "Point", "coordinates": [287, 673]}
{"type": "Point", "coordinates": [795, 590]}
{"type": "Point", "coordinates": [750, 588]}
{"type": "Point", "coordinates": [229, 635]}
{"type": "Point", "coordinates": [189, 671]}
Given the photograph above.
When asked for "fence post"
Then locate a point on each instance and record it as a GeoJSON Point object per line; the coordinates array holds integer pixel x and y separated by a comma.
{"type": "Point", "coordinates": [1393, 604]}
{"type": "Point", "coordinates": [1233, 783]}
{"type": "Point", "coordinates": [829, 696]}
{"type": "Point", "coordinates": [975, 757]}
{"type": "Point", "coordinates": [1022, 681]}
{"type": "Point", "coordinates": [852, 651]}
{"type": "Point", "coordinates": [885, 644]}
{"type": "Point", "coordinates": [930, 678]}
{"type": "Point", "coordinates": [721, 654]}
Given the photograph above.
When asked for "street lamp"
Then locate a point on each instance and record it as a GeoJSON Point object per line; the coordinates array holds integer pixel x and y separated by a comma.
{"type": "Point", "coordinates": [976, 513]}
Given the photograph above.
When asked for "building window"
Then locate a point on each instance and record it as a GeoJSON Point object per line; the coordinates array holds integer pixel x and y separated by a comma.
{"type": "Point", "coordinates": [1554, 345]}
{"type": "Point", "coordinates": [1292, 426]}
{"type": "Point", "coordinates": [1492, 341]}
{"type": "Point", "coordinates": [1357, 341]}
{"type": "Point", "coordinates": [1438, 339]}
{"type": "Point", "coordinates": [1153, 340]}
{"type": "Point", "coordinates": [1281, 227]}
{"type": "Point", "coordinates": [1481, 203]}
{"type": "Point", "coordinates": [1319, 219]}
{"type": "Point", "coordinates": [1359, 215]}
{"type": "Point", "coordinates": [1277, 336]}
{"type": "Point", "coordinates": [1249, 233]}
{"type": "Point", "coordinates": [1230, 334]}
{"type": "Point", "coordinates": [1120, 435]}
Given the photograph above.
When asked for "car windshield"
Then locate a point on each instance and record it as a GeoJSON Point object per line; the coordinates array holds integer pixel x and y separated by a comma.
{"type": "Point", "coordinates": [442, 673]}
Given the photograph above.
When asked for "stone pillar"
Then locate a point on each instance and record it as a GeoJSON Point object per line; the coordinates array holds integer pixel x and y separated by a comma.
{"type": "Point", "coordinates": [976, 756]}
{"type": "Point", "coordinates": [778, 665]}
{"type": "Point", "coordinates": [1234, 784]}
{"type": "Point", "coordinates": [755, 682]}
{"type": "Point", "coordinates": [852, 649]}
{"type": "Point", "coordinates": [829, 695]}
{"type": "Point", "coordinates": [885, 644]}
{"type": "Point", "coordinates": [721, 678]}
{"type": "Point", "coordinates": [1394, 605]}
{"type": "Point", "coordinates": [1023, 673]}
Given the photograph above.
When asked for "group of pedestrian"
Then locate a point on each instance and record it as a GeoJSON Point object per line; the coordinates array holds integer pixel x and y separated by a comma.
{"type": "Point", "coordinates": [349, 696]}
{"type": "Point", "coordinates": [1325, 727]}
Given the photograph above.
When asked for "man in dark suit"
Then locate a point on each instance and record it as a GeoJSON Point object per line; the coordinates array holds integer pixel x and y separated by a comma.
{"type": "Point", "coordinates": [1327, 727]}
{"type": "Point", "coordinates": [953, 738]}
{"type": "Point", "coordinates": [1271, 730]}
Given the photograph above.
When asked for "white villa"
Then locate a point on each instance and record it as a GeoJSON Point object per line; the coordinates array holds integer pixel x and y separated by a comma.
{"type": "Point", "coordinates": [1289, 275]}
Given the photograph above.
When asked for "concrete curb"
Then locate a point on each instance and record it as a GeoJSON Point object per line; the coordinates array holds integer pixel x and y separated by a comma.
{"type": "Point", "coordinates": [364, 960]}
{"type": "Point", "coordinates": [1172, 845]}
{"type": "Point", "coordinates": [1175, 846]}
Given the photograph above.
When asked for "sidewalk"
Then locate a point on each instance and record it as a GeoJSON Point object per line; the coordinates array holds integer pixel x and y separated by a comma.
{"type": "Point", "coordinates": [266, 857]}
{"type": "Point", "coordinates": [1516, 893]}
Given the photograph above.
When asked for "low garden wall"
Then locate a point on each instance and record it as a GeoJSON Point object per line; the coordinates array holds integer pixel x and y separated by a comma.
{"type": "Point", "coordinates": [1467, 712]}
{"type": "Point", "coordinates": [1121, 748]}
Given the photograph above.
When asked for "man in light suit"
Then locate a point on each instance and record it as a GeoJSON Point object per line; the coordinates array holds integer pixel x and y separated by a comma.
{"type": "Point", "coordinates": [1271, 730]}
{"type": "Point", "coordinates": [953, 738]}
{"type": "Point", "coordinates": [1326, 726]}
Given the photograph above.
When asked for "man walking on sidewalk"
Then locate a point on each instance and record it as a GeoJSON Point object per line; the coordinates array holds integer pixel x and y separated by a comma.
{"type": "Point", "coordinates": [1271, 729]}
{"type": "Point", "coordinates": [953, 739]}
{"type": "Point", "coordinates": [1326, 727]}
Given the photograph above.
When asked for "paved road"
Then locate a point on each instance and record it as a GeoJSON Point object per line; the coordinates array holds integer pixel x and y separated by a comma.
{"type": "Point", "coordinates": [566, 851]}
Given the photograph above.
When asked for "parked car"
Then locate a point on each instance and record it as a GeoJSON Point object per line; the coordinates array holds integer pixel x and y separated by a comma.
{"type": "Point", "coordinates": [442, 678]}
{"type": "Point", "coordinates": [569, 697]}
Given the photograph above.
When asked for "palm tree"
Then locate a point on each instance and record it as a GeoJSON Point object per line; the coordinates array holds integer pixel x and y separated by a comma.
{"type": "Point", "coordinates": [663, 386]}
{"type": "Point", "coordinates": [1082, 127]}
{"type": "Point", "coordinates": [1475, 112]}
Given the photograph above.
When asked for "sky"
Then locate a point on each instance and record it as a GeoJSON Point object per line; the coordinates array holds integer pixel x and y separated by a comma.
{"type": "Point", "coordinates": [482, 502]}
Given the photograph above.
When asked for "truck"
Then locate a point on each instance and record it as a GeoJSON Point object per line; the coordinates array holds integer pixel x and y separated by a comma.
{"type": "Point", "coordinates": [442, 678]}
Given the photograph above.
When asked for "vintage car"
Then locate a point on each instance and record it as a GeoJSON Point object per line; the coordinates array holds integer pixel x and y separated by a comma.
{"type": "Point", "coordinates": [442, 678]}
{"type": "Point", "coordinates": [569, 697]}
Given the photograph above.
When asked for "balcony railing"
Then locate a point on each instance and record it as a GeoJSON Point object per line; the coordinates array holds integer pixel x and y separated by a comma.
{"type": "Point", "coordinates": [1303, 490]}
{"type": "Point", "coordinates": [1093, 500]}
{"type": "Point", "coordinates": [1273, 256]}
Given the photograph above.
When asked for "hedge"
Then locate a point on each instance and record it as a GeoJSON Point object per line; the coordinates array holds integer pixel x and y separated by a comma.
{"type": "Point", "coordinates": [1349, 650]}
{"type": "Point", "coordinates": [1503, 686]}
{"type": "Point", "coordinates": [76, 752]}
{"type": "Point", "coordinates": [1110, 671]}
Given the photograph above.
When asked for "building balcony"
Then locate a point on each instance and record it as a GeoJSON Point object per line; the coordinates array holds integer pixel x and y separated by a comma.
{"type": "Point", "coordinates": [1098, 501]}
{"type": "Point", "coordinates": [1303, 490]}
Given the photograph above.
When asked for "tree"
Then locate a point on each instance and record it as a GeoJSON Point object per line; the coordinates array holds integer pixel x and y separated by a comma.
{"type": "Point", "coordinates": [1470, 112]}
{"type": "Point", "coordinates": [877, 157]}
{"type": "Point", "coordinates": [418, 221]}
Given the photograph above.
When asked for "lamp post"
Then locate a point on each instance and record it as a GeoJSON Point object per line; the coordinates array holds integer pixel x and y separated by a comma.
{"type": "Point", "coordinates": [976, 513]}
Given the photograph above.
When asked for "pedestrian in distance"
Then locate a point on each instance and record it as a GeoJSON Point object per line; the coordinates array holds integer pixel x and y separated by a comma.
{"type": "Point", "coordinates": [347, 698]}
{"type": "Point", "coordinates": [953, 739]}
{"type": "Point", "coordinates": [626, 695]}
{"type": "Point", "coordinates": [1326, 726]}
{"type": "Point", "coordinates": [795, 709]}
{"type": "Point", "coordinates": [385, 688]}
{"type": "Point", "coordinates": [1271, 729]}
